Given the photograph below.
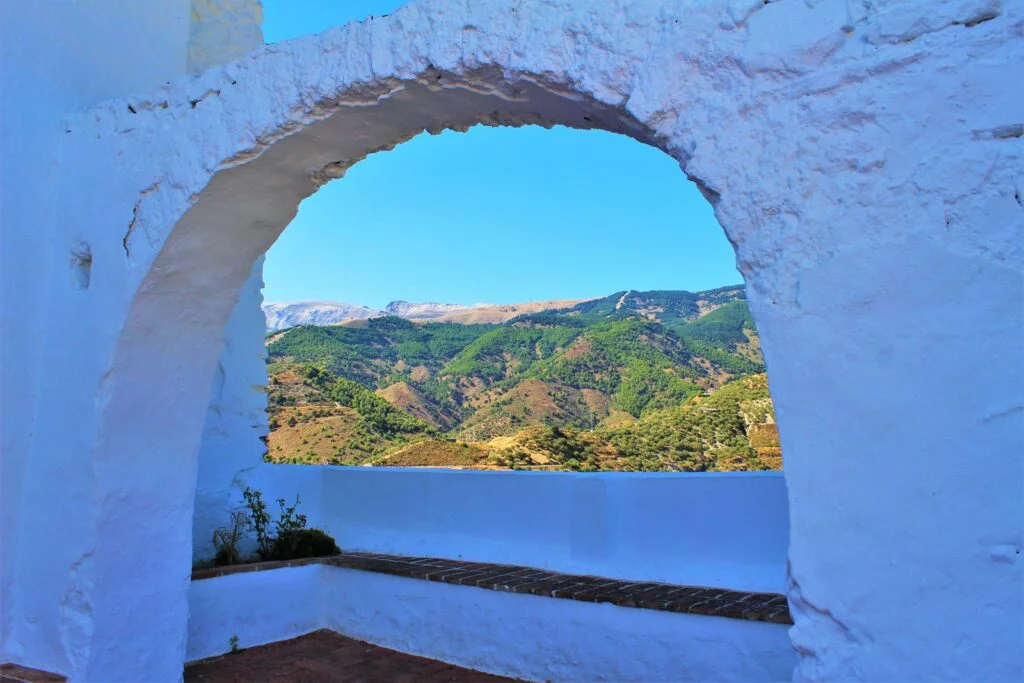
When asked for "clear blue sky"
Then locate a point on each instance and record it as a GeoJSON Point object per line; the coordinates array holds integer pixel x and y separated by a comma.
{"type": "Point", "coordinates": [495, 215]}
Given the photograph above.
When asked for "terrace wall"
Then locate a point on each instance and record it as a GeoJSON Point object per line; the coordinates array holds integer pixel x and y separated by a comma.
{"type": "Point", "coordinates": [728, 530]}
{"type": "Point", "coordinates": [524, 636]}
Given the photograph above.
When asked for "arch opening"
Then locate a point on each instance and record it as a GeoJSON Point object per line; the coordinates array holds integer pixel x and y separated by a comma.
{"type": "Point", "coordinates": [209, 254]}
{"type": "Point", "coordinates": [208, 232]}
{"type": "Point", "coordinates": [549, 382]}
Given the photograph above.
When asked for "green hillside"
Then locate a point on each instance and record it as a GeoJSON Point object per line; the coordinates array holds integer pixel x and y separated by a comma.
{"type": "Point", "coordinates": [622, 375]}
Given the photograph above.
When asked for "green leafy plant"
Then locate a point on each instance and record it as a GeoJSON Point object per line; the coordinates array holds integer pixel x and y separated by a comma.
{"type": "Point", "coordinates": [258, 520]}
{"type": "Point", "coordinates": [289, 521]}
{"type": "Point", "coordinates": [290, 539]}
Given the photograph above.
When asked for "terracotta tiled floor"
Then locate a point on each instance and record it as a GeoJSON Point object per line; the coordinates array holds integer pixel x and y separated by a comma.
{"type": "Point", "coordinates": [326, 657]}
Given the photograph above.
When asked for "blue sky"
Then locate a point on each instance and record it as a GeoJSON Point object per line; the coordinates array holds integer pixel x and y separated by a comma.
{"type": "Point", "coordinates": [495, 215]}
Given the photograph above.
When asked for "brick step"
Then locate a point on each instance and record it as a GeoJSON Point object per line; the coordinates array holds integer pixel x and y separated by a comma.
{"type": "Point", "coordinates": [13, 673]}
{"type": "Point", "coordinates": [700, 600]}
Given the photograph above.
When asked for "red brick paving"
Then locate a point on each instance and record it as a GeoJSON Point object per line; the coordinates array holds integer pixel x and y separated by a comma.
{"type": "Point", "coordinates": [327, 657]}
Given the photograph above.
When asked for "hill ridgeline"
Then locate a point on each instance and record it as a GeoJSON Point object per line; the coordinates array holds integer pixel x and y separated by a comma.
{"type": "Point", "coordinates": [654, 381]}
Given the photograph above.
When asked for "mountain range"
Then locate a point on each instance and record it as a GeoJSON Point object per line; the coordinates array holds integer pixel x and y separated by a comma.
{"type": "Point", "coordinates": [662, 380]}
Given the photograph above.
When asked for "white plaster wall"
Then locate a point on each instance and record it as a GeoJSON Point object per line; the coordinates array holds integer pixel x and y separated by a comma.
{"type": "Point", "coordinates": [258, 607]}
{"type": "Point", "coordinates": [546, 639]}
{"type": "Point", "coordinates": [528, 637]}
{"type": "Point", "coordinates": [864, 158]}
{"type": "Point", "coordinates": [236, 420]}
{"type": "Point", "coordinates": [56, 57]}
{"type": "Point", "coordinates": [729, 530]}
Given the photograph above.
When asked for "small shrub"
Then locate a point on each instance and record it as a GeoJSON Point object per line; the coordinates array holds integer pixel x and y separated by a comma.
{"type": "Point", "coordinates": [291, 539]}
{"type": "Point", "coordinates": [299, 543]}
{"type": "Point", "coordinates": [226, 539]}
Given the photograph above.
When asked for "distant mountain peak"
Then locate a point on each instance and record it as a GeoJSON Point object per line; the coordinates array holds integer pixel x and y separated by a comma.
{"type": "Point", "coordinates": [282, 315]}
{"type": "Point", "coordinates": [427, 309]}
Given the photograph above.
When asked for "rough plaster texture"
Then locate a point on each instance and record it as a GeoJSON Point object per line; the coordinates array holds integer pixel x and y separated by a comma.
{"type": "Point", "coordinates": [223, 30]}
{"type": "Point", "coordinates": [56, 58]}
{"type": "Point", "coordinates": [236, 421]}
{"type": "Point", "coordinates": [523, 636]}
{"type": "Point", "coordinates": [863, 158]}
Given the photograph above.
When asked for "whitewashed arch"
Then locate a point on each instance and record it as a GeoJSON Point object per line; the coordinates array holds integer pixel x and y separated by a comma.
{"type": "Point", "coordinates": [865, 192]}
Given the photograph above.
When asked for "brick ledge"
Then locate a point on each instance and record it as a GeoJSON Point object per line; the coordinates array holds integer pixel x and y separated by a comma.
{"type": "Point", "coordinates": [15, 673]}
{"type": "Point", "coordinates": [702, 600]}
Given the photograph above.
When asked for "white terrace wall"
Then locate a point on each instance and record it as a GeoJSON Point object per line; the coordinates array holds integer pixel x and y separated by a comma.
{"type": "Point", "coordinates": [523, 636]}
{"type": "Point", "coordinates": [864, 159]}
{"type": "Point", "coordinates": [728, 530]}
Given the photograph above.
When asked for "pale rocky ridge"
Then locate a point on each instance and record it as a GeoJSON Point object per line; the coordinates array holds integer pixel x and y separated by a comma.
{"type": "Point", "coordinates": [427, 310]}
{"type": "Point", "coordinates": [281, 316]}
{"type": "Point", "coordinates": [289, 314]}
